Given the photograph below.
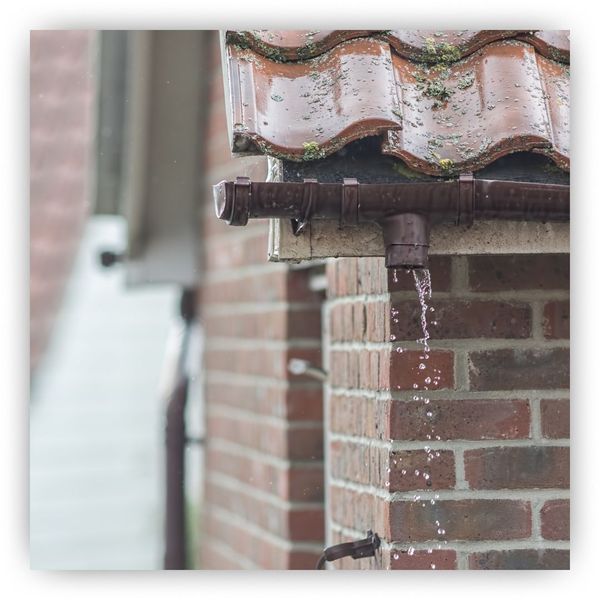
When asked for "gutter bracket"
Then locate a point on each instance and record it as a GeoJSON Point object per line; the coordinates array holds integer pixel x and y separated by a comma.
{"type": "Point", "coordinates": [349, 206]}
{"type": "Point", "coordinates": [241, 202]}
{"type": "Point", "coordinates": [466, 200]}
{"type": "Point", "coordinates": [309, 200]}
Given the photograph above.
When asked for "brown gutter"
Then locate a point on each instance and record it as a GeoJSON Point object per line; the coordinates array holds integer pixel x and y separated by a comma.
{"type": "Point", "coordinates": [405, 211]}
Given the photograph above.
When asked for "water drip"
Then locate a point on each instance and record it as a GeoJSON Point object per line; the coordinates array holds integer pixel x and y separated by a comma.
{"type": "Point", "coordinates": [422, 279]}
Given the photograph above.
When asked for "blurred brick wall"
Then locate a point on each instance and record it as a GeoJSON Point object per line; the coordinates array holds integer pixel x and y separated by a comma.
{"type": "Point", "coordinates": [263, 503]}
{"type": "Point", "coordinates": [61, 136]}
{"type": "Point", "coordinates": [495, 428]}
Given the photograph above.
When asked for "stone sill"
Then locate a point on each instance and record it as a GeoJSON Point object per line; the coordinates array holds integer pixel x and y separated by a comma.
{"type": "Point", "coordinates": [323, 239]}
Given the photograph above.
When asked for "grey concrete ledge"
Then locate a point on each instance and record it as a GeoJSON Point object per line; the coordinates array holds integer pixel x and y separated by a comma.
{"type": "Point", "coordinates": [323, 239]}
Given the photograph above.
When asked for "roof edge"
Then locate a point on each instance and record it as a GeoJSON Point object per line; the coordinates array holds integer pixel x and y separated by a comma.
{"type": "Point", "coordinates": [428, 50]}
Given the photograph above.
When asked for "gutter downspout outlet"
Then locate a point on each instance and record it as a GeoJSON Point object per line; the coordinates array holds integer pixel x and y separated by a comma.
{"type": "Point", "coordinates": [406, 239]}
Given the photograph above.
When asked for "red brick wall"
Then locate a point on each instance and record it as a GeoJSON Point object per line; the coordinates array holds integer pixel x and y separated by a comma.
{"type": "Point", "coordinates": [496, 425]}
{"type": "Point", "coordinates": [263, 505]}
{"type": "Point", "coordinates": [61, 136]}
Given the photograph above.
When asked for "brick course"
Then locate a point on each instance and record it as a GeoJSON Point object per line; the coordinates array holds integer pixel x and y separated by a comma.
{"type": "Point", "coordinates": [519, 272]}
{"type": "Point", "coordinates": [464, 319]}
{"type": "Point", "coordinates": [538, 368]}
{"type": "Point", "coordinates": [461, 419]}
{"type": "Point", "coordinates": [472, 519]}
{"type": "Point", "coordinates": [533, 466]}
{"type": "Point", "coordinates": [520, 559]}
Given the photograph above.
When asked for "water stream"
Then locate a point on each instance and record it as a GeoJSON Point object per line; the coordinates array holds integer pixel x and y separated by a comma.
{"type": "Point", "coordinates": [422, 279]}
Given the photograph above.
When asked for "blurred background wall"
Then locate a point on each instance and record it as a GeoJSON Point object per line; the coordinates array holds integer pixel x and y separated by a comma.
{"type": "Point", "coordinates": [99, 347]}
{"type": "Point", "coordinates": [62, 87]}
{"type": "Point", "coordinates": [128, 133]}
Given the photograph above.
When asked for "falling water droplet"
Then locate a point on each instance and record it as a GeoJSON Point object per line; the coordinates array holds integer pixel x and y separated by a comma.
{"type": "Point", "coordinates": [396, 556]}
{"type": "Point", "coordinates": [422, 279]}
{"type": "Point", "coordinates": [411, 551]}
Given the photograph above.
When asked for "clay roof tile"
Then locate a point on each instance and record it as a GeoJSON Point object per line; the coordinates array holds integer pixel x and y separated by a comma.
{"type": "Point", "coordinates": [441, 101]}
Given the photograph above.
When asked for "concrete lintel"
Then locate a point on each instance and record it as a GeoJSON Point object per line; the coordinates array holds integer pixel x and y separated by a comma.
{"type": "Point", "coordinates": [324, 239]}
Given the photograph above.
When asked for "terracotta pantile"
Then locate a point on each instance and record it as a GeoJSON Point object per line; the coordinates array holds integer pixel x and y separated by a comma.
{"type": "Point", "coordinates": [343, 95]}
{"type": "Point", "coordinates": [443, 102]}
{"type": "Point", "coordinates": [490, 104]}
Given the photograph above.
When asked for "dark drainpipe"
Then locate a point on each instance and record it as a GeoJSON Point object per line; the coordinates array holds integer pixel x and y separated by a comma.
{"type": "Point", "coordinates": [175, 442]}
{"type": "Point", "coordinates": [405, 211]}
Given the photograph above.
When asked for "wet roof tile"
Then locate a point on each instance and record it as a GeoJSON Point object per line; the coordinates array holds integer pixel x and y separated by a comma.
{"type": "Point", "coordinates": [441, 101]}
